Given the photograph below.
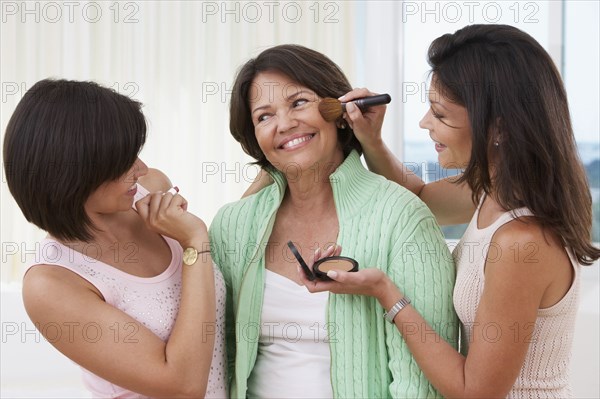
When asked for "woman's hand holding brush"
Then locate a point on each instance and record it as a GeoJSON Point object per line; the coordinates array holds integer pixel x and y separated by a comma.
{"type": "Point", "coordinates": [367, 128]}
{"type": "Point", "coordinates": [367, 123]}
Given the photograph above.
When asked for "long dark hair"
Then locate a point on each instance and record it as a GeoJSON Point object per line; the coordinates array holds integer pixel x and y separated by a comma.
{"type": "Point", "coordinates": [304, 66]}
{"type": "Point", "coordinates": [520, 122]}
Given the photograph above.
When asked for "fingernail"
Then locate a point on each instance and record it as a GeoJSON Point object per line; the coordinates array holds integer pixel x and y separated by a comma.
{"type": "Point", "coordinates": [342, 98]}
{"type": "Point", "coordinates": [176, 188]}
{"type": "Point", "coordinates": [350, 107]}
{"type": "Point", "coordinates": [331, 247]}
{"type": "Point", "coordinates": [332, 274]}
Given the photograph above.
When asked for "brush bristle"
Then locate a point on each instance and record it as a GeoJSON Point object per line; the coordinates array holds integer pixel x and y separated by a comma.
{"type": "Point", "coordinates": [330, 109]}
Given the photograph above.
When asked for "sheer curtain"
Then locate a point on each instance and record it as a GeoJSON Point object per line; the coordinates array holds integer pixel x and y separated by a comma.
{"type": "Point", "coordinates": [179, 59]}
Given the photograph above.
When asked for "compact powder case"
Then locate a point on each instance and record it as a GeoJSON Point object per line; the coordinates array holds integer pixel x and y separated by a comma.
{"type": "Point", "coordinates": [322, 266]}
{"type": "Point", "coordinates": [343, 263]}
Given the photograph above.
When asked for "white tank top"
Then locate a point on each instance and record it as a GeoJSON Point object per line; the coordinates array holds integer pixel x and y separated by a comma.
{"type": "Point", "coordinates": [293, 359]}
{"type": "Point", "coordinates": [152, 301]}
{"type": "Point", "coordinates": [545, 372]}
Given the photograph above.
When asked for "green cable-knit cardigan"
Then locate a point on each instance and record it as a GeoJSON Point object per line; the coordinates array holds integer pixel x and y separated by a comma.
{"type": "Point", "coordinates": [381, 225]}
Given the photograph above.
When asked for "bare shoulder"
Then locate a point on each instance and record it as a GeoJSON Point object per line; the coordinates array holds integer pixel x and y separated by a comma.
{"type": "Point", "coordinates": [45, 287]}
{"type": "Point", "coordinates": [537, 244]}
{"type": "Point", "coordinates": [155, 180]}
{"type": "Point", "coordinates": [529, 255]}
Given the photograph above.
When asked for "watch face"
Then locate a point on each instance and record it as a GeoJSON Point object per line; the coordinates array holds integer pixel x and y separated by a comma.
{"type": "Point", "coordinates": [190, 255]}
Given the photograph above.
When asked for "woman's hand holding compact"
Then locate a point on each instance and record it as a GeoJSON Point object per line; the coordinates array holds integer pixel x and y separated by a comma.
{"type": "Point", "coordinates": [371, 282]}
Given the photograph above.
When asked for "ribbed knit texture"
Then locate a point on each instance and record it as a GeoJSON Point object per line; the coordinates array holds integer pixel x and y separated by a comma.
{"type": "Point", "coordinates": [381, 225]}
{"type": "Point", "coordinates": [545, 372]}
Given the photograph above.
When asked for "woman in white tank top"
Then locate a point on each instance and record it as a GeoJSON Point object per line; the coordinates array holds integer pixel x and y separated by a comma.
{"type": "Point", "coordinates": [108, 288]}
{"type": "Point", "coordinates": [499, 111]}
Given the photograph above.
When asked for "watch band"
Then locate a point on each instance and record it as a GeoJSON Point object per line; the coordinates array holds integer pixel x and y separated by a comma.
{"type": "Point", "coordinates": [398, 306]}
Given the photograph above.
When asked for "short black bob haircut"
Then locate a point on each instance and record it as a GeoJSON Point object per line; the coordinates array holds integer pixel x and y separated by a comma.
{"type": "Point", "coordinates": [64, 139]}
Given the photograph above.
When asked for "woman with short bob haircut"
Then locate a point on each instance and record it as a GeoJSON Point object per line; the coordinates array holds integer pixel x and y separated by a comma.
{"type": "Point", "coordinates": [58, 180]}
{"type": "Point", "coordinates": [71, 159]}
{"type": "Point", "coordinates": [499, 111]}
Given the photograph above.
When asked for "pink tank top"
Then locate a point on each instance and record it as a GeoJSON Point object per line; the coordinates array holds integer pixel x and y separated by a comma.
{"type": "Point", "coordinates": [152, 301]}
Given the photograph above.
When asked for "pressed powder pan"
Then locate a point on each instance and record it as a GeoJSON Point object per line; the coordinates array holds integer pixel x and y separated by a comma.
{"type": "Point", "coordinates": [322, 266]}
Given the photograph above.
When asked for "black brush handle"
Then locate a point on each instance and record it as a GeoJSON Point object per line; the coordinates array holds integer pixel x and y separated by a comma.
{"type": "Point", "coordinates": [366, 102]}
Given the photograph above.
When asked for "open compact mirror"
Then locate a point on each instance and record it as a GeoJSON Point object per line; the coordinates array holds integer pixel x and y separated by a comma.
{"type": "Point", "coordinates": [322, 266]}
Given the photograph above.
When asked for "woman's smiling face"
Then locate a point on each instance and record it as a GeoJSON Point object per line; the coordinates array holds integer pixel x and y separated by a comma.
{"type": "Point", "coordinates": [288, 126]}
{"type": "Point", "coordinates": [449, 127]}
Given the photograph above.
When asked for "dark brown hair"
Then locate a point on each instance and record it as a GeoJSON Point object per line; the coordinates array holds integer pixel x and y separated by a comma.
{"type": "Point", "coordinates": [304, 66]}
{"type": "Point", "coordinates": [515, 97]}
{"type": "Point", "coordinates": [64, 139]}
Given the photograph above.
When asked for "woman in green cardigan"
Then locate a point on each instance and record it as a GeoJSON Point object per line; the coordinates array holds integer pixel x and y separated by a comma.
{"type": "Point", "coordinates": [284, 341]}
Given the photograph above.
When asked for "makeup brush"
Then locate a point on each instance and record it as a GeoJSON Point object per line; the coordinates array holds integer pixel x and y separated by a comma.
{"type": "Point", "coordinates": [332, 108]}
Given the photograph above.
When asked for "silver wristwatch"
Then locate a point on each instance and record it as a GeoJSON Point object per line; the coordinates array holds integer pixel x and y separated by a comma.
{"type": "Point", "coordinates": [398, 306]}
